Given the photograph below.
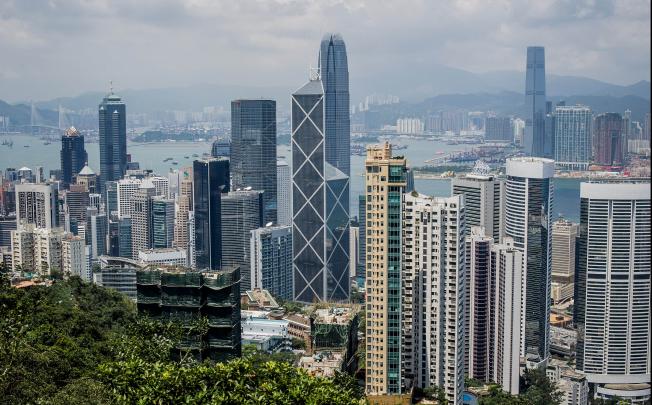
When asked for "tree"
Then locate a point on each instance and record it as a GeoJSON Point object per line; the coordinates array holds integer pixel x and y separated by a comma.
{"type": "Point", "coordinates": [538, 389]}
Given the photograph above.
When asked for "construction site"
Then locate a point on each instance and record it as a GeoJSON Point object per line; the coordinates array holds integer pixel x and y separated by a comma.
{"type": "Point", "coordinates": [189, 297]}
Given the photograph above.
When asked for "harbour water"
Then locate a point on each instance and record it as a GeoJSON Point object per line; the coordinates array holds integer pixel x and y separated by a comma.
{"type": "Point", "coordinates": [151, 155]}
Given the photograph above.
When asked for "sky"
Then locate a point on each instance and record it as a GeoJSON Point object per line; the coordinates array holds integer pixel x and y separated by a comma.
{"type": "Point", "coordinates": [52, 48]}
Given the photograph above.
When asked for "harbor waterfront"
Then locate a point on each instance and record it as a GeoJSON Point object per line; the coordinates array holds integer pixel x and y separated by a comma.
{"type": "Point", "coordinates": [155, 156]}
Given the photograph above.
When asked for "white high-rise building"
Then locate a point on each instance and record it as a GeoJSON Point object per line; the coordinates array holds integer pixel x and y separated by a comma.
{"type": "Point", "coordinates": [612, 304]}
{"type": "Point", "coordinates": [483, 202]}
{"type": "Point", "coordinates": [353, 249]}
{"type": "Point", "coordinates": [141, 218]}
{"type": "Point", "coordinates": [433, 284]}
{"type": "Point", "coordinates": [564, 236]}
{"type": "Point", "coordinates": [126, 190]}
{"type": "Point", "coordinates": [37, 250]}
{"type": "Point", "coordinates": [507, 270]}
{"type": "Point", "coordinates": [271, 260]}
{"type": "Point", "coordinates": [412, 126]}
{"type": "Point", "coordinates": [73, 257]}
{"type": "Point", "coordinates": [36, 204]}
{"type": "Point", "coordinates": [161, 185]}
{"type": "Point", "coordinates": [528, 209]}
{"type": "Point", "coordinates": [284, 193]}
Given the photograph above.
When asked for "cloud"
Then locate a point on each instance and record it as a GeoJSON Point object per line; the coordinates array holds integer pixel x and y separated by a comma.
{"type": "Point", "coordinates": [64, 47]}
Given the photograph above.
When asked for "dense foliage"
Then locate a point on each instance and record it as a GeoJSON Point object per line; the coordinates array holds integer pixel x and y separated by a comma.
{"type": "Point", "coordinates": [75, 343]}
{"type": "Point", "coordinates": [536, 389]}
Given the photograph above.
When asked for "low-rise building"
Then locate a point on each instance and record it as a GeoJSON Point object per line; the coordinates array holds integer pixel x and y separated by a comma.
{"type": "Point", "coordinates": [573, 385]}
{"type": "Point", "coordinates": [269, 335]}
{"type": "Point", "coordinates": [258, 299]}
{"type": "Point", "coordinates": [164, 257]}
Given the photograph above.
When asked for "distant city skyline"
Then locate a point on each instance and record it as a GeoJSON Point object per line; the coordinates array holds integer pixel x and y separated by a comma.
{"type": "Point", "coordinates": [214, 42]}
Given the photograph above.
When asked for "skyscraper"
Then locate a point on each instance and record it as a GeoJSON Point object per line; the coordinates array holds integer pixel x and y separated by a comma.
{"type": "Point", "coordinates": [113, 139]}
{"type": "Point", "coordinates": [162, 222]}
{"type": "Point", "coordinates": [271, 260]}
{"type": "Point", "coordinates": [242, 212]}
{"type": "Point", "coordinates": [535, 102]}
{"type": "Point", "coordinates": [334, 70]}
{"type": "Point", "coordinates": [184, 203]}
{"type": "Point", "coordinates": [607, 140]}
{"type": "Point", "coordinates": [385, 184]}
{"type": "Point", "coordinates": [483, 201]}
{"type": "Point", "coordinates": [283, 193]}
{"type": "Point", "coordinates": [141, 218]}
{"type": "Point", "coordinates": [528, 208]}
{"type": "Point", "coordinates": [253, 151]}
{"type": "Point", "coordinates": [562, 265]}
{"type": "Point", "coordinates": [37, 204]}
{"type": "Point", "coordinates": [612, 303]}
{"type": "Point", "coordinates": [362, 233]}
{"type": "Point", "coordinates": [498, 129]}
{"type": "Point", "coordinates": [433, 282]}
{"type": "Point", "coordinates": [73, 155]}
{"type": "Point", "coordinates": [320, 198]}
{"type": "Point", "coordinates": [210, 180]}
{"type": "Point", "coordinates": [573, 137]}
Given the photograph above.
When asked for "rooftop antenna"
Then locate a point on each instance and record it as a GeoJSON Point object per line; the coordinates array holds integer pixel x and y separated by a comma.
{"type": "Point", "coordinates": [111, 87]}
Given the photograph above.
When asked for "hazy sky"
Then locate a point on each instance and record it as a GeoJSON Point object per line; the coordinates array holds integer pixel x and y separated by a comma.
{"type": "Point", "coordinates": [65, 47]}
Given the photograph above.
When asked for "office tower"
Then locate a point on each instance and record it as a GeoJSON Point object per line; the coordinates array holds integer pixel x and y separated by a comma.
{"type": "Point", "coordinates": [283, 193]}
{"type": "Point", "coordinates": [164, 257]}
{"type": "Point", "coordinates": [549, 132]}
{"type": "Point", "coordinates": [627, 129]}
{"type": "Point", "coordinates": [111, 197]}
{"type": "Point", "coordinates": [25, 175]}
{"type": "Point", "coordinates": [507, 275]}
{"type": "Point", "coordinates": [95, 200]}
{"type": "Point", "coordinates": [607, 140]}
{"type": "Point", "coordinates": [320, 198]}
{"type": "Point", "coordinates": [362, 233]}
{"type": "Point", "coordinates": [433, 282]}
{"type": "Point", "coordinates": [36, 250]}
{"type": "Point", "coordinates": [73, 155]}
{"type": "Point", "coordinates": [161, 185]}
{"type": "Point", "coordinates": [271, 260]}
{"type": "Point", "coordinates": [385, 184]}
{"type": "Point", "coordinates": [478, 305]}
{"type": "Point", "coordinates": [518, 126]}
{"type": "Point", "coordinates": [75, 202]}
{"type": "Point", "coordinates": [73, 257]}
{"type": "Point", "coordinates": [334, 70]}
{"type": "Point", "coordinates": [573, 137]}
{"type": "Point", "coordinates": [162, 222]}
{"type": "Point", "coordinates": [535, 101]}
{"type": "Point", "coordinates": [253, 150]}
{"type": "Point", "coordinates": [7, 224]}
{"type": "Point", "coordinates": [37, 204]}
{"type": "Point", "coordinates": [612, 303]}
{"type": "Point", "coordinates": [564, 239]}
{"type": "Point", "coordinates": [141, 218]}
{"type": "Point", "coordinates": [210, 180]}
{"type": "Point", "coordinates": [242, 212]}
{"type": "Point", "coordinates": [87, 178]}
{"type": "Point", "coordinates": [498, 129]}
{"type": "Point", "coordinates": [483, 200]}
{"type": "Point", "coordinates": [124, 237]}
{"type": "Point", "coordinates": [126, 188]}
{"type": "Point", "coordinates": [113, 139]}
{"type": "Point", "coordinates": [528, 209]}
{"type": "Point", "coordinates": [354, 238]}
{"type": "Point", "coordinates": [221, 148]}
{"type": "Point", "coordinates": [184, 206]}
{"type": "Point", "coordinates": [646, 128]}
{"type": "Point", "coordinates": [213, 296]}
{"type": "Point", "coordinates": [96, 232]}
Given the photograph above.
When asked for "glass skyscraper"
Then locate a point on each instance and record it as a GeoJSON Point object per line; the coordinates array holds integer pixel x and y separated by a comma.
{"type": "Point", "coordinates": [573, 137]}
{"type": "Point", "coordinates": [320, 197]}
{"type": "Point", "coordinates": [334, 70]}
{"type": "Point", "coordinates": [210, 180]}
{"type": "Point", "coordinates": [113, 139]}
{"type": "Point", "coordinates": [535, 102]}
{"type": "Point", "coordinates": [253, 150]}
{"type": "Point", "coordinates": [73, 155]}
{"type": "Point", "coordinates": [528, 209]}
{"type": "Point", "coordinates": [607, 139]}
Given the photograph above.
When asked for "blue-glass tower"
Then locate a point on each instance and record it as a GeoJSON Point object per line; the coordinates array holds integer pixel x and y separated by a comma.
{"type": "Point", "coordinates": [210, 180]}
{"type": "Point", "coordinates": [73, 155]}
{"type": "Point", "coordinates": [113, 139]}
{"type": "Point", "coordinates": [320, 196]}
{"type": "Point", "coordinates": [334, 70]}
{"type": "Point", "coordinates": [253, 150]}
{"type": "Point", "coordinates": [535, 103]}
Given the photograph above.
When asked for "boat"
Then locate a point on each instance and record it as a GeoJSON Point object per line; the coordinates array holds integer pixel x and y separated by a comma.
{"type": "Point", "coordinates": [175, 163]}
{"type": "Point", "coordinates": [186, 157]}
{"type": "Point", "coordinates": [167, 159]}
{"type": "Point", "coordinates": [8, 143]}
{"type": "Point", "coordinates": [195, 155]}
{"type": "Point", "coordinates": [47, 143]}
{"type": "Point", "coordinates": [25, 146]}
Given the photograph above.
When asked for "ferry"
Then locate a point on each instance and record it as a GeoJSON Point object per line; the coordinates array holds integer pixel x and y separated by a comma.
{"type": "Point", "coordinates": [167, 159]}
{"type": "Point", "coordinates": [175, 163]}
